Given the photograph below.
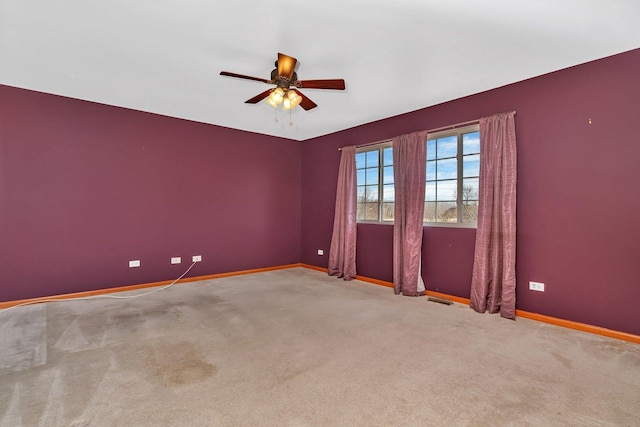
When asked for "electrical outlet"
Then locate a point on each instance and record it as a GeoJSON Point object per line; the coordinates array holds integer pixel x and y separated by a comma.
{"type": "Point", "coordinates": [536, 286]}
{"type": "Point", "coordinates": [176, 260]}
{"type": "Point", "coordinates": [134, 263]}
{"type": "Point", "coordinates": [320, 252]}
{"type": "Point", "coordinates": [196, 258]}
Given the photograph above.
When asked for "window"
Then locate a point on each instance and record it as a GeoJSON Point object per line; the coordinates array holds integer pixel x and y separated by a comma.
{"type": "Point", "coordinates": [453, 170]}
{"type": "Point", "coordinates": [374, 169]}
{"type": "Point", "coordinates": [452, 179]}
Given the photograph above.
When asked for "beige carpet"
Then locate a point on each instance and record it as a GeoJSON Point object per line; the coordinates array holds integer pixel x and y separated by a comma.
{"type": "Point", "coordinates": [297, 348]}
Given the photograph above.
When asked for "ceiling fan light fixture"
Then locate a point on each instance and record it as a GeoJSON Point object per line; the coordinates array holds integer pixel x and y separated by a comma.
{"type": "Point", "coordinates": [272, 102]}
{"type": "Point", "coordinates": [278, 94]}
{"type": "Point", "coordinates": [292, 95]}
{"type": "Point", "coordinates": [292, 100]}
{"type": "Point", "coordinates": [275, 97]}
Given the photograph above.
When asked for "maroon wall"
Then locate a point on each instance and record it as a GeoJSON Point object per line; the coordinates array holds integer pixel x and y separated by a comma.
{"type": "Point", "coordinates": [577, 200]}
{"type": "Point", "coordinates": [84, 188]}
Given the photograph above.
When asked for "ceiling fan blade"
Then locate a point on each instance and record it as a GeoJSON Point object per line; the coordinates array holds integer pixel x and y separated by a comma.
{"type": "Point", "coordinates": [306, 103]}
{"type": "Point", "coordinates": [242, 76]}
{"type": "Point", "coordinates": [258, 97]}
{"type": "Point", "coordinates": [337, 84]}
{"type": "Point", "coordinates": [286, 65]}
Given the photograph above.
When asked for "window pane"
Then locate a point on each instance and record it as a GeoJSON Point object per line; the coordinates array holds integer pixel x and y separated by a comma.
{"type": "Point", "coordinates": [447, 190]}
{"type": "Point", "coordinates": [471, 165]}
{"type": "Point", "coordinates": [372, 176]}
{"type": "Point", "coordinates": [388, 175]}
{"type": "Point", "coordinates": [371, 212]}
{"type": "Point", "coordinates": [430, 211]}
{"type": "Point", "coordinates": [471, 143]}
{"type": "Point", "coordinates": [470, 212]}
{"type": "Point", "coordinates": [360, 160]}
{"type": "Point", "coordinates": [360, 177]}
{"type": "Point", "coordinates": [470, 189]}
{"type": "Point", "coordinates": [447, 211]}
{"type": "Point", "coordinates": [361, 194]}
{"type": "Point", "coordinates": [387, 211]}
{"type": "Point", "coordinates": [430, 192]}
{"type": "Point", "coordinates": [387, 156]}
{"type": "Point", "coordinates": [371, 193]}
{"type": "Point", "coordinates": [431, 170]}
{"type": "Point", "coordinates": [431, 149]}
{"type": "Point", "coordinates": [361, 211]}
{"type": "Point", "coordinates": [388, 193]}
{"type": "Point", "coordinates": [372, 158]}
{"type": "Point", "coordinates": [447, 147]}
{"type": "Point", "coordinates": [447, 169]}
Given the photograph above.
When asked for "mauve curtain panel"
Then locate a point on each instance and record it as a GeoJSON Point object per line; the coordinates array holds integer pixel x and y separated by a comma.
{"type": "Point", "coordinates": [493, 285]}
{"type": "Point", "coordinates": [342, 253]}
{"type": "Point", "coordinates": [409, 174]}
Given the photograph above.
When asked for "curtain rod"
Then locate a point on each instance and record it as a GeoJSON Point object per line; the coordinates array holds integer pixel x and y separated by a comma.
{"type": "Point", "coordinates": [428, 131]}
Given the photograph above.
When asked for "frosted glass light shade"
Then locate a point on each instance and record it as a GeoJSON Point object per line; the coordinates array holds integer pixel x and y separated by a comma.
{"type": "Point", "coordinates": [271, 102]}
{"type": "Point", "coordinates": [291, 100]}
{"type": "Point", "coordinates": [275, 97]}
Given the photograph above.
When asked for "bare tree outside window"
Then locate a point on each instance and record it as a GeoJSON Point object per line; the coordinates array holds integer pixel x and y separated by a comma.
{"type": "Point", "coordinates": [367, 204]}
{"type": "Point", "coordinates": [469, 203]}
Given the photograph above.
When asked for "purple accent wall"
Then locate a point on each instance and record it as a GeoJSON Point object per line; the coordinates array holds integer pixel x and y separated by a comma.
{"type": "Point", "coordinates": [84, 188]}
{"type": "Point", "coordinates": [578, 201]}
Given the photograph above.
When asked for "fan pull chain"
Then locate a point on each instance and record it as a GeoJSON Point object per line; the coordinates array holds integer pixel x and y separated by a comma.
{"type": "Point", "coordinates": [290, 120]}
{"type": "Point", "coordinates": [275, 117]}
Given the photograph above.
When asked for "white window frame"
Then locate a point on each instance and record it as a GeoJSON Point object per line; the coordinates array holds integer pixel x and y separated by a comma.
{"type": "Point", "coordinates": [380, 147]}
{"type": "Point", "coordinates": [459, 132]}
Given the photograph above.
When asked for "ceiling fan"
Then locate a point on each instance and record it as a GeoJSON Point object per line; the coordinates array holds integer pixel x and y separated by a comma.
{"type": "Point", "coordinates": [287, 84]}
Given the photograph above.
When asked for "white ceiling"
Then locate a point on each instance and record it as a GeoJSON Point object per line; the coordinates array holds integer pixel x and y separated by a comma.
{"type": "Point", "coordinates": [164, 56]}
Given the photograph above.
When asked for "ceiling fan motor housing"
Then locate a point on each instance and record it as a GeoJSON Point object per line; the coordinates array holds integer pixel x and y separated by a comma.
{"type": "Point", "coordinates": [283, 81]}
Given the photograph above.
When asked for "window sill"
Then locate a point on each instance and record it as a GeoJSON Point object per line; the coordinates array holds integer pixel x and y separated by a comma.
{"type": "Point", "coordinates": [427, 224]}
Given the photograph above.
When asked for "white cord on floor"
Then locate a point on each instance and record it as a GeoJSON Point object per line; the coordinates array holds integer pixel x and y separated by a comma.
{"type": "Point", "coordinates": [38, 301]}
